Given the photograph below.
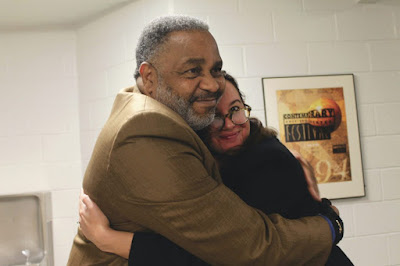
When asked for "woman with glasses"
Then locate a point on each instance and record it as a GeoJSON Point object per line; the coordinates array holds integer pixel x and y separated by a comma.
{"type": "Point", "coordinates": [253, 164]}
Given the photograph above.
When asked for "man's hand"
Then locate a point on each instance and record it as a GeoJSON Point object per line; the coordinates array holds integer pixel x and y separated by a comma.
{"type": "Point", "coordinates": [335, 209]}
{"type": "Point", "coordinates": [309, 174]}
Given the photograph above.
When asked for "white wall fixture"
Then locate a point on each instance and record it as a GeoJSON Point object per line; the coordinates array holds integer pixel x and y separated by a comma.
{"type": "Point", "coordinates": [25, 230]}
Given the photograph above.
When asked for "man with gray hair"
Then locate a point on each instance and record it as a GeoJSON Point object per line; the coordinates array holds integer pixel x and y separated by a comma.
{"type": "Point", "coordinates": [150, 171]}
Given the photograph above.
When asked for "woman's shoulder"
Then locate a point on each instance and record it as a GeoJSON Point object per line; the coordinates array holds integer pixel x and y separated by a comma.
{"type": "Point", "coordinates": [269, 147]}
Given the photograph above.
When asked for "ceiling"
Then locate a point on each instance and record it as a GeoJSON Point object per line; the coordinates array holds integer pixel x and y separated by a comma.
{"type": "Point", "coordinates": [68, 14]}
{"type": "Point", "coordinates": [386, 2]}
{"type": "Point", "coordinates": [53, 14]}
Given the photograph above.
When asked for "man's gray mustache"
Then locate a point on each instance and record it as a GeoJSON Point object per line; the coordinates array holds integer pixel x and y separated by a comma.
{"type": "Point", "coordinates": [207, 96]}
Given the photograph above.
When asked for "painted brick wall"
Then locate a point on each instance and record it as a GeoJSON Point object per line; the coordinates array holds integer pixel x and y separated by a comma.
{"type": "Point", "coordinates": [280, 38]}
{"type": "Point", "coordinates": [39, 124]}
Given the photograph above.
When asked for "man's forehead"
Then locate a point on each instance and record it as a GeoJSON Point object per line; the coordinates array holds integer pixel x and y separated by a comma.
{"type": "Point", "coordinates": [193, 61]}
{"type": "Point", "coordinates": [186, 40]}
{"type": "Point", "coordinates": [193, 47]}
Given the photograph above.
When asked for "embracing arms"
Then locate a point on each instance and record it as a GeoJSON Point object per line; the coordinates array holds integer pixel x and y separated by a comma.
{"type": "Point", "coordinates": [168, 183]}
{"type": "Point", "coordinates": [96, 227]}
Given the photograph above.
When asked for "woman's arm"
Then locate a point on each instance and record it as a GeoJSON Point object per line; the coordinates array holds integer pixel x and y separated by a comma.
{"type": "Point", "coordinates": [96, 227]}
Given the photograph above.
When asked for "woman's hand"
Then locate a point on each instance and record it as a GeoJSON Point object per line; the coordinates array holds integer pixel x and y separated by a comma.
{"type": "Point", "coordinates": [94, 224]}
{"type": "Point", "coordinates": [309, 174]}
{"type": "Point", "coordinates": [96, 227]}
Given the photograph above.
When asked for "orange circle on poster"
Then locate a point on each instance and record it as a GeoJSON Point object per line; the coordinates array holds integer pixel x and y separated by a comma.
{"type": "Point", "coordinates": [326, 113]}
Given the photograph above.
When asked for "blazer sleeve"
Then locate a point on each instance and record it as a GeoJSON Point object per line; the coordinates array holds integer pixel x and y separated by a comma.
{"type": "Point", "coordinates": [160, 183]}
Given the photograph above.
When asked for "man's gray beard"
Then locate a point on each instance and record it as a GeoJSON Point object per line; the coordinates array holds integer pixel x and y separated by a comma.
{"type": "Point", "coordinates": [184, 108]}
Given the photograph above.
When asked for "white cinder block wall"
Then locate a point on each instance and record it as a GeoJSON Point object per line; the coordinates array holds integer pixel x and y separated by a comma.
{"type": "Point", "coordinates": [39, 124]}
{"type": "Point", "coordinates": [40, 148]}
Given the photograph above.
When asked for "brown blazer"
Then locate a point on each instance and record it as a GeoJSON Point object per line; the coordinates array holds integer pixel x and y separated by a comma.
{"type": "Point", "coordinates": [150, 172]}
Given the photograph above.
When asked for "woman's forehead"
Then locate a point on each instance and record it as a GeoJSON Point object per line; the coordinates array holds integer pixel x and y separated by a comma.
{"type": "Point", "coordinates": [230, 93]}
{"type": "Point", "coordinates": [230, 97]}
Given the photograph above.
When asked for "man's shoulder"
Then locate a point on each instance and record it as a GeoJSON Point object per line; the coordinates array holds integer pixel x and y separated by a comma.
{"type": "Point", "coordinates": [131, 102]}
{"type": "Point", "coordinates": [135, 114]}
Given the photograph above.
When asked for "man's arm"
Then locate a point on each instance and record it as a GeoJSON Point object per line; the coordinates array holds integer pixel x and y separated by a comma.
{"type": "Point", "coordinates": [163, 185]}
{"type": "Point", "coordinates": [144, 249]}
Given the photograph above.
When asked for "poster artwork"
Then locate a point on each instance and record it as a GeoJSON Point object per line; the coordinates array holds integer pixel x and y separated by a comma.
{"type": "Point", "coordinates": [313, 122]}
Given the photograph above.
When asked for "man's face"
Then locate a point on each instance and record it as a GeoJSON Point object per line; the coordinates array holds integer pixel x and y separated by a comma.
{"type": "Point", "coordinates": [189, 76]}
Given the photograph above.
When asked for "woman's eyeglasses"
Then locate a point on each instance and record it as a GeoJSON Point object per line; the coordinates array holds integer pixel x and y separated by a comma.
{"type": "Point", "coordinates": [238, 117]}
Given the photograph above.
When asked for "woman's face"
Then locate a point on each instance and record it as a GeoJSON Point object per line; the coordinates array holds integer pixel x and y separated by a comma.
{"type": "Point", "coordinates": [231, 136]}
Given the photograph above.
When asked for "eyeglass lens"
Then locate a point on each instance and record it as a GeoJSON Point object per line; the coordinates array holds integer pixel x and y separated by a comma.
{"type": "Point", "coordinates": [238, 118]}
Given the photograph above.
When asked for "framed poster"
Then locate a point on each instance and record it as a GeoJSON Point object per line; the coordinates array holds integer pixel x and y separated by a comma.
{"type": "Point", "coordinates": [317, 116]}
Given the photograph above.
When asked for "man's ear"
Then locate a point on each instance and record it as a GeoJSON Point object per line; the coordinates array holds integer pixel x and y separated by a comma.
{"type": "Point", "coordinates": [149, 79]}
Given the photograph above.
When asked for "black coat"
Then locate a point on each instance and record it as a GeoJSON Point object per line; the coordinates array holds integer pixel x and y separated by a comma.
{"type": "Point", "coordinates": [268, 177]}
